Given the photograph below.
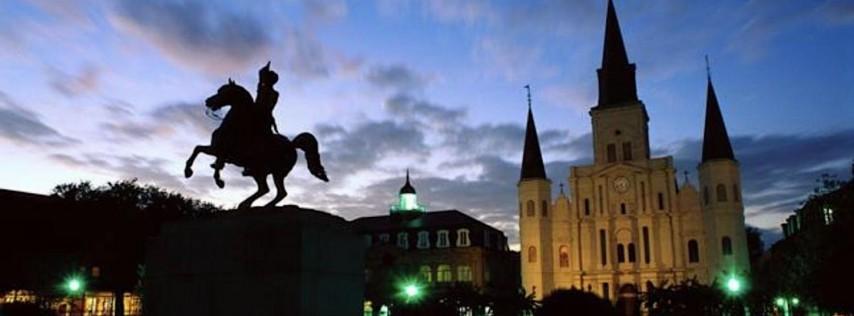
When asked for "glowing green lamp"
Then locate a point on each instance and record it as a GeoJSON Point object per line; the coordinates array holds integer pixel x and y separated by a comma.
{"type": "Point", "coordinates": [74, 285]}
{"type": "Point", "coordinates": [733, 285]}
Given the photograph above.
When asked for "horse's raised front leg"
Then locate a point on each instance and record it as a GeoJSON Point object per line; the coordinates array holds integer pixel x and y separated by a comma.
{"type": "Point", "coordinates": [188, 168]}
{"type": "Point", "coordinates": [261, 181]}
{"type": "Point", "coordinates": [218, 179]}
{"type": "Point", "coordinates": [281, 193]}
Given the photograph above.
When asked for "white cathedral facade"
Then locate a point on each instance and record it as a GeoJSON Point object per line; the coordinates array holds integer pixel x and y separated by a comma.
{"type": "Point", "coordinates": [626, 222]}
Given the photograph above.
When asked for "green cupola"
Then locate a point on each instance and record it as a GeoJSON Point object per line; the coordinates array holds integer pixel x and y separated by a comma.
{"type": "Point", "coordinates": [407, 199]}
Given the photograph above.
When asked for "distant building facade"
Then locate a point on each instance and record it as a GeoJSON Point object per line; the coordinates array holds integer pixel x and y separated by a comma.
{"type": "Point", "coordinates": [48, 251]}
{"type": "Point", "coordinates": [626, 222]}
{"type": "Point", "coordinates": [436, 249]}
{"type": "Point", "coordinates": [820, 210]}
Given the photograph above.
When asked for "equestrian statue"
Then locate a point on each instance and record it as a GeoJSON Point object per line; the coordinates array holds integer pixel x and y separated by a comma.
{"type": "Point", "coordinates": [248, 137]}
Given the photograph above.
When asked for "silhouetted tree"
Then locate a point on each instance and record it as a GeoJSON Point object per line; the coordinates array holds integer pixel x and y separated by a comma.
{"type": "Point", "coordinates": [755, 247]}
{"type": "Point", "coordinates": [120, 217]}
{"type": "Point", "coordinates": [690, 298]}
{"type": "Point", "coordinates": [574, 302]}
{"type": "Point", "coordinates": [513, 303]}
{"type": "Point", "coordinates": [810, 263]}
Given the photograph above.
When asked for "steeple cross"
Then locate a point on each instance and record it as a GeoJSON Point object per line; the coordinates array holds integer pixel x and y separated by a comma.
{"type": "Point", "coordinates": [708, 69]}
{"type": "Point", "coordinates": [528, 87]}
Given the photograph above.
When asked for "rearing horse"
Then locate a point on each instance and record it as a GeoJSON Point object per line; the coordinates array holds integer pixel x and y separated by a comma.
{"type": "Point", "coordinates": [272, 154]}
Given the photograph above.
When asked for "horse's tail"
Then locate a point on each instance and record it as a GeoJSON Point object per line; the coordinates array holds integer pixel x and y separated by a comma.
{"type": "Point", "coordinates": [308, 144]}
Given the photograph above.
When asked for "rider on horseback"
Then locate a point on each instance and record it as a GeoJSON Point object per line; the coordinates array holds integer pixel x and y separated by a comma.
{"type": "Point", "coordinates": [267, 96]}
{"type": "Point", "coordinates": [245, 138]}
{"type": "Point", "coordinates": [262, 124]}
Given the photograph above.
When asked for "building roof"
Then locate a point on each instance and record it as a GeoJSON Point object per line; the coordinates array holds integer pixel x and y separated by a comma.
{"type": "Point", "coordinates": [716, 143]}
{"type": "Point", "coordinates": [428, 220]}
{"type": "Point", "coordinates": [17, 204]}
{"type": "Point", "coordinates": [532, 157]}
{"type": "Point", "coordinates": [617, 84]}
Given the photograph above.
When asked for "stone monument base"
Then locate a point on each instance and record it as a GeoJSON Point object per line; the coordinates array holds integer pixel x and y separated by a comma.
{"type": "Point", "coordinates": [260, 261]}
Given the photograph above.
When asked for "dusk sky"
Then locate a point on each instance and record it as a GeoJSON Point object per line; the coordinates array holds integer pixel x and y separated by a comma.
{"type": "Point", "coordinates": [110, 90]}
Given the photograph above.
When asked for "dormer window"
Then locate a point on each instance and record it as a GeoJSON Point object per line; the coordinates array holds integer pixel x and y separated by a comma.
{"type": "Point", "coordinates": [442, 239]}
{"type": "Point", "coordinates": [403, 240]}
{"type": "Point", "coordinates": [463, 238]}
{"type": "Point", "coordinates": [423, 240]}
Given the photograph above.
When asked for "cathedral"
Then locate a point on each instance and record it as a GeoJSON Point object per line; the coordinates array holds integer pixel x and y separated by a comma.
{"type": "Point", "coordinates": [626, 223]}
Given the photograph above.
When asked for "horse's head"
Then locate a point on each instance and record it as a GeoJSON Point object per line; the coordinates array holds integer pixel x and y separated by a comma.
{"type": "Point", "coordinates": [229, 94]}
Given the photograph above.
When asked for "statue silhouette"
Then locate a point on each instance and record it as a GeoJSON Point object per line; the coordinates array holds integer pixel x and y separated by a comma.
{"type": "Point", "coordinates": [267, 96]}
{"type": "Point", "coordinates": [245, 139]}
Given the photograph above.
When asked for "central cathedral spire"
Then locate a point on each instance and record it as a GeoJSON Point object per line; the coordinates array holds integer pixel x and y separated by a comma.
{"type": "Point", "coordinates": [616, 76]}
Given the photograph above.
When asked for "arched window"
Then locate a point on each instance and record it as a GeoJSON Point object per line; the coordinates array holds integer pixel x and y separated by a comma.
{"type": "Point", "coordinates": [623, 208]}
{"type": "Point", "coordinates": [660, 201]}
{"type": "Point", "coordinates": [587, 207]}
{"type": "Point", "coordinates": [563, 254]}
{"type": "Point", "coordinates": [721, 193]}
{"type": "Point", "coordinates": [621, 253]}
{"type": "Point", "coordinates": [464, 273]}
{"type": "Point", "coordinates": [463, 238]}
{"type": "Point", "coordinates": [693, 251]}
{"type": "Point", "coordinates": [631, 251]}
{"type": "Point", "coordinates": [736, 196]}
{"type": "Point", "coordinates": [531, 212]}
{"type": "Point", "coordinates": [726, 246]}
{"type": "Point", "coordinates": [627, 150]}
{"type": "Point", "coordinates": [443, 273]}
{"type": "Point", "coordinates": [426, 273]}
{"type": "Point", "coordinates": [532, 254]}
{"type": "Point", "coordinates": [612, 153]}
{"type": "Point", "coordinates": [545, 209]}
{"type": "Point", "coordinates": [706, 195]}
{"type": "Point", "coordinates": [603, 248]}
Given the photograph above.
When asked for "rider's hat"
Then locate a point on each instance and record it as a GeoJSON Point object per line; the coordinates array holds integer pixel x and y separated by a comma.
{"type": "Point", "coordinates": [268, 76]}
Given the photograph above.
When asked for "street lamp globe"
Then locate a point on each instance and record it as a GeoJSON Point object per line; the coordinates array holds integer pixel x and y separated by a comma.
{"type": "Point", "coordinates": [733, 285]}
{"type": "Point", "coordinates": [411, 291]}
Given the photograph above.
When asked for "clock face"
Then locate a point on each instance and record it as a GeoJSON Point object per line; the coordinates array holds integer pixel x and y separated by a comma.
{"type": "Point", "coordinates": [621, 184]}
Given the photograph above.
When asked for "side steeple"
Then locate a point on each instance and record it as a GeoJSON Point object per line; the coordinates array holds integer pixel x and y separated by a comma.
{"type": "Point", "coordinates": [716, 143]}
{"type": "Point", "coordinates": [617, 76]}
{"type": "Point", "coordinates": [532, 157]}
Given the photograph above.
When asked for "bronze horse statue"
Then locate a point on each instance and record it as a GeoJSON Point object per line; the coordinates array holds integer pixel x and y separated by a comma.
{"type": "Point", "coordinates": [260, 153]}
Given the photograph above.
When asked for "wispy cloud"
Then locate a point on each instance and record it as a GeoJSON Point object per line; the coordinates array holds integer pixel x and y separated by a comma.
{"type": "Point", "coordinates": [23, 126]}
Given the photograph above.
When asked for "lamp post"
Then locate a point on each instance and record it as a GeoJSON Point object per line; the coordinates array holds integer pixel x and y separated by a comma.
{"type": "Point", "coordinates": [734, 286]}
{"type": "Point", "coordinates": [787, 304]}
{"type": "Point", "coordinates": [75, 285]}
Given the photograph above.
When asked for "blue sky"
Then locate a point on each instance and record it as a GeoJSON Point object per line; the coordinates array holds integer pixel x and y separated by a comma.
{"type": "Point", "coordinates": [109, 90]}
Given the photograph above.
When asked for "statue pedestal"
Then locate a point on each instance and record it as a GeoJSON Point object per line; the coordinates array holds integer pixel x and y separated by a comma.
{"type": "Point", "coordinates": [274, 261]}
